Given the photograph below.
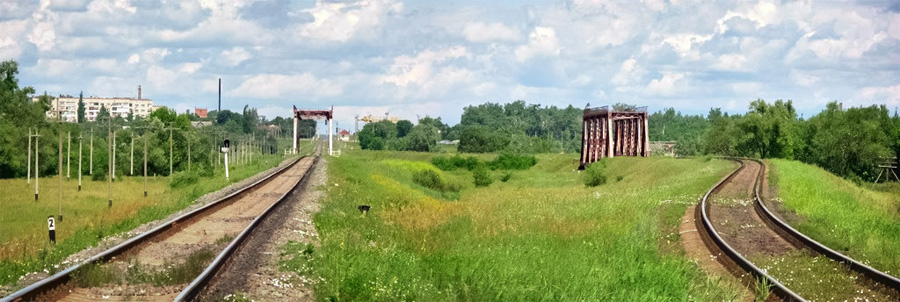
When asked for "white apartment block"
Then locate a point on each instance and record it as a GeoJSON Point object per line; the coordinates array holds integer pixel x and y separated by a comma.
{"type": "Point", "coordinates": [68, 107]}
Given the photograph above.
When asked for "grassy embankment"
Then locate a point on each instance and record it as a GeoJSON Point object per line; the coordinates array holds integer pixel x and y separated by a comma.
{"type": "Point", "coordinates": [541, 235]}
{"type": "Point", "coordinates": [860, 222]}
{"type": "Point", "coordinates": [87, 219]}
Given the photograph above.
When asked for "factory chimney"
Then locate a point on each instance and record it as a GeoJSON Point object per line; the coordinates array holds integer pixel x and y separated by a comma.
{"type": "Point", "coordinates": [220, 95]}
{"type": "Point", "coordinates": [139, 92]}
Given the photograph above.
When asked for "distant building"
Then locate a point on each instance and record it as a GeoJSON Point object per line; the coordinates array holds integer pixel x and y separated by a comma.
{"type": "Point", "coordinates": [345, 135]}
{"type": "Point", "coordinates": [67, 107]}
{"type": "Point", "coordinates": [201, 112]}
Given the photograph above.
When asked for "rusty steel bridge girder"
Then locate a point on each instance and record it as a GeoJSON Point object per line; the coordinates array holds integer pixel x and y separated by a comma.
{"type": "Point", "coordinates": [610, 133]}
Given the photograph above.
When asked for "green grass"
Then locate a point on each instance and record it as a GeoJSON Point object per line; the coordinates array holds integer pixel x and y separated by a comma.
{"type": "Point", "coordinates": [862, 223]}
{"type": "Point", "coordinates": [87, 219]}
{"type": "Point", "coordinates": [541, 235]}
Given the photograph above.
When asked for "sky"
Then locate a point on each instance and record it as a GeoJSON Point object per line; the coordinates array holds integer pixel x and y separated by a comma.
{"type": "Point", "coordinates": [432, 58]}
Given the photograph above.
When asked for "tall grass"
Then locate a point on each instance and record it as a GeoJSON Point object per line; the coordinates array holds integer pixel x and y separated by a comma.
{"type": "Point", "coordinates": [863, 223]}
{"type": "Point", "coordinates": [538, 236]}
{"type": "Point", "coordinates": [87, 219]}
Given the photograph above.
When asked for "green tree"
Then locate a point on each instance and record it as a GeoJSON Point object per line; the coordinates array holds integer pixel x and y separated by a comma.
{"type": "Point", "coordinates": [403, 127]}
{"type": "Point", "coordinates": [422, 138]}
{"type": "Point", "coordinates": [480, 139]}
{"type": "Point", "coordinates": [770, 130]}
{"type": "Point", "coordinates": [81, 115]}
{"type": "Point", "coordinates": [103, 114]}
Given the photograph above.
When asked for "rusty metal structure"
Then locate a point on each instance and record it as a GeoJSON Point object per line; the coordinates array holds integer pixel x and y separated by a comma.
{"type": "Point", "coordinates": [312, 114]}
{"type": "Point", "coordinates": [607, 132]}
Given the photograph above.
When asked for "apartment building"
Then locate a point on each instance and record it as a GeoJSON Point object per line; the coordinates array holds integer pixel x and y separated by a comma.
{"type": "Point", "coordinates": [67, 107]}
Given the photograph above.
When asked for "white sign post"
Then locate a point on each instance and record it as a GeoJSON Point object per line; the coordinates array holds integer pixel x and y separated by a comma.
{"type": "Point", "coordinates": [52, 225]}
{"type": "Point", "coordinates": [225, 150]}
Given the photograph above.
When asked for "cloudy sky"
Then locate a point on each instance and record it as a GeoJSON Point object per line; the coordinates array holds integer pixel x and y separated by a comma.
{"type": "Point", "coordinates": [433, 58]}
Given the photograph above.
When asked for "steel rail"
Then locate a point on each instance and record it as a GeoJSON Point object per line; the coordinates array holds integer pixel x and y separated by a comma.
{"type": "Point", "coordinates": [733, 254]}
{"type": "Point", "coordinates": [872, 273]}
{"type": "Point", "coordinates": [199, 284]}
{"type": "Point", "coordinates": [32, 291]}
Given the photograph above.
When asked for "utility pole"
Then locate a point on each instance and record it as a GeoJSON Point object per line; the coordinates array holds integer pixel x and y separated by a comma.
{"type": "Point", "coordinates": [132, 154]}
{"type": "Point", "coordinates": [36, 169]}
{"type": "Point", "coordinates": [29, 155]}
{"type": "Point", "coordinates": [91, 169]}
{"type": "Point", "coordinates": [69, 156]}
{"type": "Point", "coordinates": [145, 164]}
{"type": "Point", "coordinates": [79, 162]}
{"type": "Point", "coordinates": [189, 153]}
{"type": "Point", "coordinates": [109, 161]}
{"type": "Point", "coordinates": [170, 150]}
{"type": "Point", "coordinates": [114, 154]}
{"type": "Point", "coordinates": [59, 202]}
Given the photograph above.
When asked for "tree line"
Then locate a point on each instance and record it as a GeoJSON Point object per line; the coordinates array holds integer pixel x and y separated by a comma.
{"type": "Point", "coordinates": [849, 142]}
{"type": "Point", "coordinates": [19, 116]}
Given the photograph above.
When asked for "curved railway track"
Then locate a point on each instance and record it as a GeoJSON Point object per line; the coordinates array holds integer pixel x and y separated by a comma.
{"type": "Point", "coordinates": [216, 230]}
{"type": "Point", "coordinates": [776, 236]}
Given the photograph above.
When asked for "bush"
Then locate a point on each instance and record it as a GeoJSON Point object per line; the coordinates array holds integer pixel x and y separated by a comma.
{"type": "Point", "coordinates": [508, 161]}
{"type": "Point", "coordinates": [506, 177]}
{"type": "Point", "coordinates": [455, 162]}
{"type": "Point", "coordinates": [482, 176]}
{"type": "Point", "coordinates": [99, 175]}
{"type": "Point", "coordinates": [595, 174]}
{"type": "Point", "coordinates": [432, 179]}
{"type": "Point", "coordinates": [183, 179]}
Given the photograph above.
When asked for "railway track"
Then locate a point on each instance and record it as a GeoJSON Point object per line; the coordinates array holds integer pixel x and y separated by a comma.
{"type": "Point", "coordinates": [165, 263]}
{"type": "Point", "coordinates": [744, 230]}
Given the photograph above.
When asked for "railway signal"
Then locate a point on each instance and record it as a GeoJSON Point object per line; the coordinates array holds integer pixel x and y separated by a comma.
{"type": "Point", "coordinates": [36, 170]}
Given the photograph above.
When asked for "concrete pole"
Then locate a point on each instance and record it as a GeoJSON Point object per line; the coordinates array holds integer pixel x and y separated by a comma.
{"type": "Point", "coordinates": [91, 169]}
{"type": "Point", "coordinates": [226, 165]}
{"type": "Point", "coordinates": [109, 163]}
{"type": "Point", "coordinates": [294, 138]}
{"type": "Point", "coordinates": [170, 151]}
{"type": "Point", "coordinates": [69, 156]}
{"type": "Point", "coordinates": [37, 155]}
{"type": "Point", "coordinates": [189, 155]}
{"type": "Point", "coordinates": [132, 155]}
{"type": "Point", "coordinates": [29, 155]}
{"type": "Point", "coordinates": [330, 140]}
{"type": "Point", "coordinates": [145, 164]}
{"type": "Point", "coordinates": [59, 189]}
{"type": "Point", "coordinates": [114, 155]}
{"type": "Point", "coordinates": [80, 149]}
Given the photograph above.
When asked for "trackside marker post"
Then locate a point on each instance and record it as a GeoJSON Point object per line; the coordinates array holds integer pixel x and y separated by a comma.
{"type": "Point", "coordinates": [52, 225]}
{"type": "Point", "coordinates": [225, 147]}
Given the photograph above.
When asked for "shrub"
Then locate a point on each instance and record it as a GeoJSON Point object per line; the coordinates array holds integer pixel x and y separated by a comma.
{"type": "Point", "coordinates": [482, 176]}
{"type": "Point", "coordinates": [595, 174]}
{"type": "Point", "coordinates": [508, 161]}
{"type": "Point", "coordinates": [455, 162]}
{"type": "Point", "coordinates": [183, 179]}
{"type": "Point", "coordinates": [443, 163]}
{"type": "Point", "coordinates": [99, 175]}
{"type": "Point", "coordinates": [506, 176]}
{"type": "Point", "coordinates": [432, 179]}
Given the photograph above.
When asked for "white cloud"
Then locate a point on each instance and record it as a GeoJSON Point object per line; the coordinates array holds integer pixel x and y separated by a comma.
{"type": "Point", "coordinates": [235, 56]}
{"type": "Point", "coordinates": [888, 94]}
{"type": "Point", "coordinates": [731, 62]}
{"type": "Point", "coordinates": [803, 79]}
{"type": "Point", "coordinates": [666, 85]}
{"type": "Point", "coordinates": [541, 42]}
{"type": "Point", "coordinates": [628, 73]}
{"type": "Point", "coordinates": [408, 70]}
{"type": "Point", "coordinates": [339, 22]}
{"type": "Point", "coordinates": [684, 44]}
{"type": "Point", "coordinates": [483, 32]}
{"type": "Point", "coordinates": [287, 87]}
{"type": "Point", "coordinates": [10, 31]}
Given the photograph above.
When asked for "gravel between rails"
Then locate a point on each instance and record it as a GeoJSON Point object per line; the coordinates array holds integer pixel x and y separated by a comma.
{"type": "Point", "coordinates": [253, 269]}
{"type": "Point", "coordinates": [111, 241]}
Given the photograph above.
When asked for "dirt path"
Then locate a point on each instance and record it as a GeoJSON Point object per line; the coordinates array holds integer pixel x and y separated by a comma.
{"type": "Point", "coordinates": [208, 232]}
